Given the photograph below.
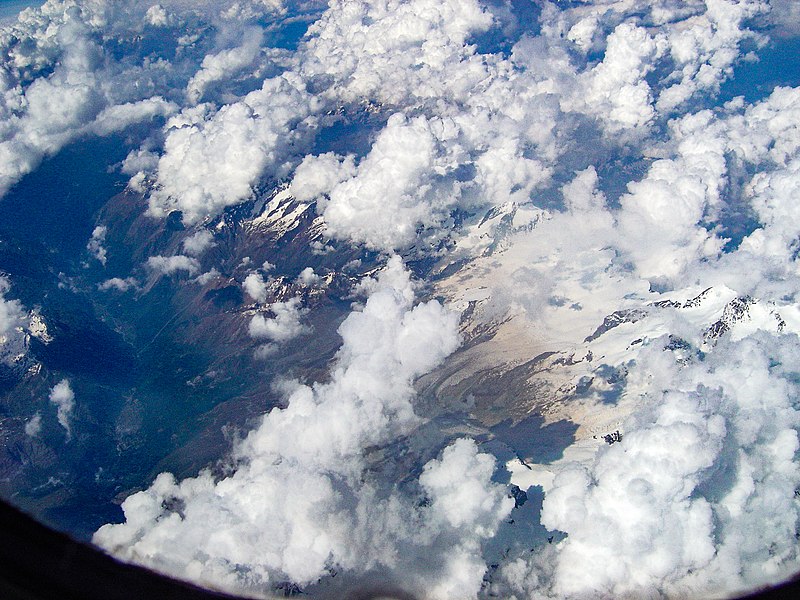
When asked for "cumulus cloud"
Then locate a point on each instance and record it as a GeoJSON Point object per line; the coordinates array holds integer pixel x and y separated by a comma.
{"type": "Point", "coordinates": [580, 167]}
{"type": "Point", "coordinates": [56, 108]}
{"type": "Point", "coordinates": [206, 277]}
{"type": "Point", "coordinates": [443, 481]}
{"type": "Point", "coordinates": [648, 515]}
{"type": "Point", "coordinates": [616, 89]}
{"type": "Point", "coordinates": [255, 286]}
{"type": "Point", "coordinates": [308, 277]}
{"type": "Point", "coordinates": [169, 265]}
{"type": "Point", "coordinates": [11, 312]}
{"type": "Point", "coordinates": [316, 510]}
{"type": "Point", "coordinates": [318, 175]}
{"type": "Point", "coordinates": [662, 230]}
{"type": "Point", "coordinates": [59, 84]}
{"type": "Point", "coordinates": [121, 116]}
{"type": "Point", "coordinates": [706, 47]}
{"type": "Point", "coordinates": [220, 66]}
{"type": "Point", "coordinates": [118, 284]}
{"type": "Point", "coordinates": [95, 245]}
{"type": "Point", "coordinates": [63, 80]}
{"type": "Point", "coordinates": [284, 326]}
{"type": "Point", "coordinates": [198, 242]}
{"type": "Point", "coordinates": [394, 51]}
{"type": "Point", "coordinates": [394, 189]}
{"type": "Point", "coordinates": [157, 16]}
{"type": "Point", "coordinates": [34, 425]}
{"type": "Point", "coordinates": [63, 398]}
{"type": "Point", "coordinates": [644, 516]}
{"type": "Point", "coordinates": [237, 143]}
{"type": "Point", "coordinates": [14, 321]}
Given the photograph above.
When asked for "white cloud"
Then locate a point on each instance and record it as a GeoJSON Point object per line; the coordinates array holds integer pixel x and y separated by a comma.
{"type": "Point", "coordinates": [63, 398]}
{"type": "Point", "coordinates": [14, 321]}
{"type": "Point", "coordinates": [237, 143]}
{"type": "Point", "coordinates": [308, 277]}
{"type": "Point", "coordinates": [11, 312]}
{"type": "Point", "coordinates": [58, 84]}
{"type": "Point", "coordinates": [660, 221]}
{"type": "Point", "coordinates": [138, 162]}
{"type": "Point", "coordinates": [256, 287]}
{"type": "Point", "coordinates": [55, 109]}
{"type": "Point", "coordinates": [317, 175]}
{"type": "Point", "coordinates": [33, 427]}
{"type": "Point", "coordinates": [394, 189]}
{"type": "Point", "coordinates": [198, 242]}
{"type": "Point", "coordinates": [647, 514]}
{"type": "Point", "coordinates": [506, 175]}
{"type": "Point", "coordinates": [533, 133]}
{"type": "Point", "coordinates": [616, 89]}
{"type": "Point", "coordinates": [169, 265]}
{"type": "Point", "coordinates": [705, 48]}
{"type": "Point", "coordinates": [119, 284]}
{"type": "Point", "coordinates": [284, 326]}
{"type": "Point", "coordinates": [220, 66]}
{"type": "Point", "coordinates": [457, 485]}
{"type": "Point", "coordinates": [298, 502]}
{"type": "Point", "coordinates": [463, 497]}
{"type": "Point", "coordinates": [62, 79]}
{"type": "Point", "coordinates": [121, 116]}
{"type": "Point", "coordinates": [157, 16]}
{"type": "Point", "coordinates": [95, 245]}
{"type": "Point", "coordinates": [394, 51]}
{"type": "Point", "coordinates": [206, 277]}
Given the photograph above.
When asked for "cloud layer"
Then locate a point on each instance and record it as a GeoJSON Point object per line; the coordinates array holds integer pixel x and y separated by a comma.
{"type": "Point", "coordinates": [576, 172]}
{"type": "Point", "coordinates": [299, 503]}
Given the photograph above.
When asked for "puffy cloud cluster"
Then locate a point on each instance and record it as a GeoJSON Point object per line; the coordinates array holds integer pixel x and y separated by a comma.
{"type": "Point", "coordinates": [391, 192]}
{"type": "Point", "coordinates": [579, 150]}
{"type": "Point", "coordinates": [394, 51]}
{"type": "Point", "coordinates": [705, 47]}
{"type": "Point", "coordinates": [63, 79]}
{"type": "Point", "coordinates": [121, 116]}
{"type": "Point", "coordinates": [616, 89]}
{"type": "Point", "coordinates": [34, 425]}
{"type": "Point", "coordinates": [646, 516]}
{"type": "Point", "coordinates": [405, 54]}
{"type": "Point", "coordinates": [684, 503]}
{"type": "Point", "coordinates": [58, 83]}
{"type": "Point", "coordinates": [402, 54]}
{"type": "Point", "coordinates": [255, 286]}
{"type": "Point", "coordinates": [299, 503]}
{"type": "Point", "coordinates": [690, 48]}
{"type": "Point", "coordinates": [219, 66]}
{"type": "Point", "coordinates": [236, 143]}
{"type": "Point", "coordinates": [660, 221]}
{"type": "Point", "coordinates": [308, 277]}
{"type": "Point", "coordinates": [663, 224]}
{"type": "Point", "coordinates": [284, 326]}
